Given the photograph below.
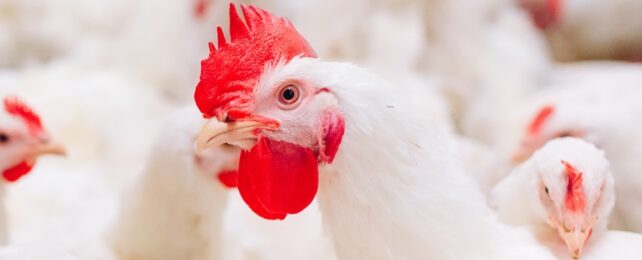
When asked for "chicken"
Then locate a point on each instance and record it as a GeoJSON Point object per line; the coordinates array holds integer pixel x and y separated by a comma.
{"type": "Point", "coordinates": [22, 140]}
{"type": "Point", "coordinates": [565, 194]}
{"type": "Point", "coordinates": [602, 108]}
{"type": "Point", "coordinates": [36, 31]}
{"type": "Point", "coordinates": [161, 43]}
{"type": "Point", "coordinates": [389, 186]}
{"type": "Point", "coordinates": [75, 199]}
{"type": "Point", "coordinates": [175, 209]}
{"type": "Point", "coordinates": [590, 29]}
{"type": "Point", "coordinates": [489, 55]}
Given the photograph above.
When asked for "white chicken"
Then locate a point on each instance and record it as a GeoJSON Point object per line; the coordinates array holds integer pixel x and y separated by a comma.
{"type": "Point", "coordinates": [490, 56]}
{"type": "Point", "coordinates": [36, 31]}
{"type": "Point", "coordinates": [590, 29]}
{"type": "Point", "coordinates": [174, 210]}
{"type": "Point", "coordinates": [75, 199]}
{"type": "Point", "coordinates": [306, 124]}
{"type": "Point", "coordinates": [22, 140]}
{"type": "Point", "coordinates": [565, 194]}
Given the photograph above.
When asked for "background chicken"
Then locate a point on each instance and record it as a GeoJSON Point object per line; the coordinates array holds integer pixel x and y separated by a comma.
{"type": "Point", "coordinates": [592, 110]}
{"type": "Point", "coordinates": [565, 193]}
{"type": "Point", "coordinates": [590, 29]}
{"type": "Point", "coordinates": [22, 140]}
{"type": "Point", "coordinates": [178, 189]}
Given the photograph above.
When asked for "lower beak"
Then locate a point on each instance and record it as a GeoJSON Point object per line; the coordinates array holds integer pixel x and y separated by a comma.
{"type": "Point", "coordinates": [574, 241]}
{"type": "Point", "coordinates": [240, 133]}
{"type": "Point", "coordinates": [50, 147]}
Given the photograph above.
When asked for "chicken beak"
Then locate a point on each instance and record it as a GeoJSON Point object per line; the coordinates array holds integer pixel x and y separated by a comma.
{"type": "Point", "coordinates": [49, 147]}
{"type": "Point", "coordinates": [575, 241]}
{"type": "Point", "coordinates": [519, 156]}
{"type": "Point", "coordinates": [524, 151]}
{"type": "Point", "coordinates": [243, 133]}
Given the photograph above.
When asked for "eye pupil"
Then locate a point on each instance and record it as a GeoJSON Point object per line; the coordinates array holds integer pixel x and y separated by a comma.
{"type": "Point", "coordinates": [289, 94]}
{"type": "Point", "coordinates": [546, 190]}
{"type": "Point", "coordinates": [4, 138]}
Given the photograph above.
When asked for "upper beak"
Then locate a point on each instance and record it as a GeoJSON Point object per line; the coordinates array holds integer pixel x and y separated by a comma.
{"type": "Point", "coordinates": [243, 133]}
{"type": "Point", "coordinates": [49, 147]}
{"type": "Point", "coordinates": [574, 240]}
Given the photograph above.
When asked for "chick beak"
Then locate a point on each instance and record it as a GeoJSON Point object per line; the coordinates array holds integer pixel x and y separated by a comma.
{"type": "Point", "coordinates": [575, 241]}
{"type": "Point", "coordinates": [242, 133]}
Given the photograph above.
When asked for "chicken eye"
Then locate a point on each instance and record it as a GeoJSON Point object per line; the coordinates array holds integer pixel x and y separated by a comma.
{"type": "Point", "coordinates": [546, 190]}
{"type": "Point", "coordinates": [288, 96]}
{"type": "Point", "coordinates": [4, 138]}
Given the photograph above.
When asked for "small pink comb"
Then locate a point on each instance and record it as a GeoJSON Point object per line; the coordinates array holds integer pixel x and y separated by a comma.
{"type": "Point", "coordinates": [542, 116]}
{"type": "Point", "coordinates": [575, 199]}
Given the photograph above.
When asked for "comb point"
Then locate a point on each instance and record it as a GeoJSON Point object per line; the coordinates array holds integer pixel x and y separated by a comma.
{"type": "Point", "coordinates": [238, 29]}
{"type": "Point", "coordinates": [220, 37]}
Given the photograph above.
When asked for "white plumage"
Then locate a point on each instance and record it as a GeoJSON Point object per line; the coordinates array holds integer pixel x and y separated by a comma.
{"type": "Point", "coordinates": [590, 29]}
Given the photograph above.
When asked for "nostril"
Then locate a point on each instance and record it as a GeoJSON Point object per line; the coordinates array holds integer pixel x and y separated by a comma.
{"type": "Point", "coordinates": [228, 119]}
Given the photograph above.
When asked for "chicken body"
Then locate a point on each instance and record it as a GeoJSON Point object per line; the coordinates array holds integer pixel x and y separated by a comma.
{"type": "Point", "coordinates": [370, 208]}
{"type": "Point", "coordinates": [489, 55]}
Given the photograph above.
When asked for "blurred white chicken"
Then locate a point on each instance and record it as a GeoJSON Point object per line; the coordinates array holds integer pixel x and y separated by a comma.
{"type": "Point", "coordinates": [174, 210]}
{"type": "Point", "coordinates": [565, 194]}
{"type": "Point", "coordinates": [590, 29]}
{"type": "Point", "coordinates": [75, 199]}
{"type": "Point", "coordinates": [37, 31]}
{"type": "Point", "coordinates": [490, 56]}
{"type": "Point", "coordinates": [22, 140]}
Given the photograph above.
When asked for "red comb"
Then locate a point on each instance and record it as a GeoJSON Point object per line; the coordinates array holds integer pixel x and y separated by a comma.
{"type": "Point", "coordinates": [542, 116]}
{"type": "Point", "coordinates": [16, 107]}
{"type": "Point", "coordinates": [575, 198]}
{"type": "Point", "coordinates": [230, 73]}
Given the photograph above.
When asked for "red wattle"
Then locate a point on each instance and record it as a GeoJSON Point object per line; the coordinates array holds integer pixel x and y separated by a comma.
{"type": "Point", "coordinates": [14, 173]}
{"type": "Point", "coordinates": [246, 189]}
{"type": "Point", "coordinates": [228, 178]}
{"type": "Point", "coordinates": [277, 178]}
